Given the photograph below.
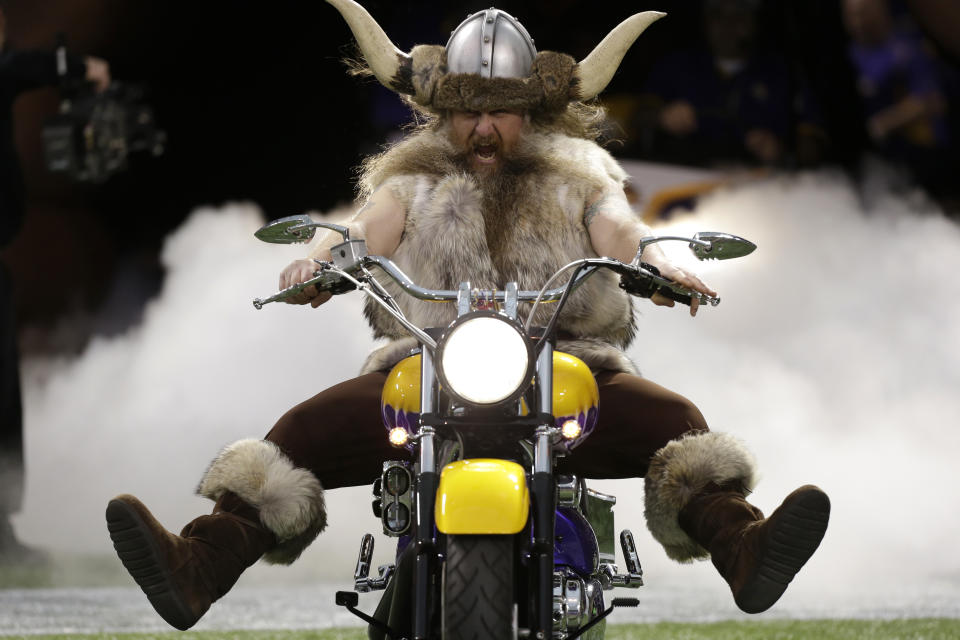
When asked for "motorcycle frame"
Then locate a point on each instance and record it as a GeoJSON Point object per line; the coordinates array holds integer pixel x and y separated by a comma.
{"type": "Point", "coordinates": [350, 269]}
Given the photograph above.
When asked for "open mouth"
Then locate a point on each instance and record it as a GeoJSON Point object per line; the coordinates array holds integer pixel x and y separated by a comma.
{"type": "Point", "coordinates": [486, 153]}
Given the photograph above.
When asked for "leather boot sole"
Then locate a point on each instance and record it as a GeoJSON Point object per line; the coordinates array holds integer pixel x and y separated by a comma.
{"type": "Point", "coordinates": [143, 559]}
{"type": "Point", "coordinates": [797, 530]}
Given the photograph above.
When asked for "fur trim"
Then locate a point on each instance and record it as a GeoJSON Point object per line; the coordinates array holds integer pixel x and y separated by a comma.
{"type": "Point", "coordinates": [598, 355]}
{"type": "Point", "coordinates": [552, 84]}
{"type": "Point", "coordinates": [385, 357]}
{"type": "Point", "coordinates": [290, 499]}
{"type": "Point", "coordinates": [681, 469]}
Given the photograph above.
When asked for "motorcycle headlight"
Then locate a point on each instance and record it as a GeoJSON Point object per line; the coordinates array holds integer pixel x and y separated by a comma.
{"type": "Point", "coordinates": [484, 359]}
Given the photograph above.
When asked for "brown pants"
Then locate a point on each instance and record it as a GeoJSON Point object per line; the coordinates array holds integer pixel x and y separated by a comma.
{"type": "Point", "coordinates": [339, 435]}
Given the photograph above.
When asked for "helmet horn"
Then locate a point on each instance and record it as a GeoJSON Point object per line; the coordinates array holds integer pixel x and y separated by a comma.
{"type": "Point", "coordinates": [597, 69]}
{"type": "Point", "coordinates": [378, 50]}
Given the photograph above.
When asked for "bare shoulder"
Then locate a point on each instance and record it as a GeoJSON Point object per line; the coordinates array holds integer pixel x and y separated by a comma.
{"type": "Point", "coordinates": [607, 205]}
{"type": "Point", "coordinates": [380, 221]}
{"type": "Point", "coordinates": [381, 203]}
{"type": "Point", "coordinates": [614, 229]}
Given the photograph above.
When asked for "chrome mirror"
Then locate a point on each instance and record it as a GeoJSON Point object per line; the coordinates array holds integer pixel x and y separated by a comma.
{"type": "Point", "coordinates": [706, 245]}
{"type": "Point", "coordinates": [713, 245]}
{"type": "Point", "coordinates": [294, 229]}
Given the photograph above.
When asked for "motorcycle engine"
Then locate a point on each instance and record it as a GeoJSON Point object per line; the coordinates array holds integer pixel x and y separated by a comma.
{"type": "Point", "coordinates": [575, 603]}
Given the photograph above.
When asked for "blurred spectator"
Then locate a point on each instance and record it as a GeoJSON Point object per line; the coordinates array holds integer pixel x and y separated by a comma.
{"type": "Point", "coordinates": [941, 20]}
{"type": "Point", "coordinates": [730, 103]}
{"type": "Point", "coordinates": [903, 98]}
{"type": "Point", "coordinates": [20, 71]}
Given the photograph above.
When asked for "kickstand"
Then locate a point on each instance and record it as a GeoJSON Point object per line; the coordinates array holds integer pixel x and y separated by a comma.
{"type": "Point", "coordinates": [349, 599]}
{"type": "Point", "coordinates": [616, 602]}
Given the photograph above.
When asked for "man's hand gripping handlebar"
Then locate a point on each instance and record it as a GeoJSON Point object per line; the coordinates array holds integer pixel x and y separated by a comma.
{"type": "Point", "coordinates": [324, 280]}
{"type": "Point", "coordinates": [644, 280]}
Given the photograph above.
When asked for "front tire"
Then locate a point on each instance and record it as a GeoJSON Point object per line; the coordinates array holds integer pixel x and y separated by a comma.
{"type": "Point", "coordinates": [478, 585]}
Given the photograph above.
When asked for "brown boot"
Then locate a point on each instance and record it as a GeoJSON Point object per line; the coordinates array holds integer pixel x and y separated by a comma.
{"type": "Point", "coordinates": [265, 506]}
{"type": "Point", "coordinates": [183, 575]}
{"type": "Point", "coordinates": [757, 557]}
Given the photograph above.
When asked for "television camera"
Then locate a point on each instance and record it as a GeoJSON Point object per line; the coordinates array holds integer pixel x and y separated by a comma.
{"type": "Point", "coordinates": [94, 133]}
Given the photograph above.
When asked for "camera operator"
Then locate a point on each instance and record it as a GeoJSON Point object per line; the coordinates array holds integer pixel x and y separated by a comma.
{"type": "Point", "coordinates": [20, 71]}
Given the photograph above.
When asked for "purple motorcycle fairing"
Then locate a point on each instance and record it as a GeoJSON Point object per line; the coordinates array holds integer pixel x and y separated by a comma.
{"type": "Point", "coordinates": [587, 421]}
{"type": "Point", "coordinates": [575, 544]}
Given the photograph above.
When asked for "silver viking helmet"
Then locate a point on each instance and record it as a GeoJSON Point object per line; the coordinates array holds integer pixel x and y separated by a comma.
{"type": "Point", "coordinates": [490, 63]}
{"type": "Point", "coordinates": [491, 44]}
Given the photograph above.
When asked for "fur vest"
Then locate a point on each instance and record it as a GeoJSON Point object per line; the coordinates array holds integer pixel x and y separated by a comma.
{"type": "Point", "coordinates": [454, 233]}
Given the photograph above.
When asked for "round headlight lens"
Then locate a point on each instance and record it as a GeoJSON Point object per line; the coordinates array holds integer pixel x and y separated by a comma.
{"type": "Point", "coordinates": [485, 360]}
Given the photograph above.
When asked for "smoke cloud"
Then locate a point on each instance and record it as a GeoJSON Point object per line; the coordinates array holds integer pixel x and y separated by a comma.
{"type": "Point", "coordinates": [835, 356]}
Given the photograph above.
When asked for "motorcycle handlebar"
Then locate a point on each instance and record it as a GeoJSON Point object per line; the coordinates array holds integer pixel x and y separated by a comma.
{"type": "Point", "coordinates": [323, 280]}
{"type": "Point", "coordinates": [447, 295]}
{"type": "Point", "coordinates": [664, 286]}
{"type": "Point", "coordinates": [636, 279]}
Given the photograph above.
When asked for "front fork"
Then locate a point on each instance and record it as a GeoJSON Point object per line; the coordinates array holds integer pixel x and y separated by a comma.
{"type": "Point", "coordinates": [426, 495]}
{"type": "Point", "coordinates": [544, 496]}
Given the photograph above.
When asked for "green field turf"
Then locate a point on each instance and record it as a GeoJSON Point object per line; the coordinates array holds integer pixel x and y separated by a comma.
{"type": "Point", "coordinates": [920, 629]}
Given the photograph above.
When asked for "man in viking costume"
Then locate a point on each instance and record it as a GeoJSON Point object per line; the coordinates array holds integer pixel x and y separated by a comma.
{"type": "Point", "coordinates": [502, 181]}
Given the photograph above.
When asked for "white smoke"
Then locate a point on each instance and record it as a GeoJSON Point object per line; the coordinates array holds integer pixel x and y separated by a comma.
{"type": "Point", "coordinates": [145, 412]}
{"type": "Point", "coordinates": [835, 355]}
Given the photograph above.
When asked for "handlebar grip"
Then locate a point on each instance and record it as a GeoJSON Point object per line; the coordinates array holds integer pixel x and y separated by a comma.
{"type": "Point", "coordinates": [646, 287]}
{"type": "Point", "coordinates": [322, 280]}
{"type": "Point", "coordinates": [335, 284]}
{"type": "Point", "coordinates": [667, 292]}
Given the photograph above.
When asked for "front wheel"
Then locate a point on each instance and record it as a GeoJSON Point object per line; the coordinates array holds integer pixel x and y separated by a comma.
{"type": "Point", "coordinates": [478, 579]}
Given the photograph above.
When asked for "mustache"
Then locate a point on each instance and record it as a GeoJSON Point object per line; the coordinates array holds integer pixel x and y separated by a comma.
{"type": "Point", "coordinates": [522, 159]}
{"type": "Point", "coordinates": [485, 141]}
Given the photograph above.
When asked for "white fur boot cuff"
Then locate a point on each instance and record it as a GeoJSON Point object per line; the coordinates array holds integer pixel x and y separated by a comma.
{"type": "Point", "coordinates": [681, 469]}
{"type": "Point", "coordinates": [289, 499]}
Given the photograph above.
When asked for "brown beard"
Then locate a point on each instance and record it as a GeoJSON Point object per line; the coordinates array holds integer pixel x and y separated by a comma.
{"type": "Point", "coordinates": [502, 188]}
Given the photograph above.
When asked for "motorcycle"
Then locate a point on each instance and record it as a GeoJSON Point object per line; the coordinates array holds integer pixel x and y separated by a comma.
{"type": "Point", "coordinates": [492, 542]}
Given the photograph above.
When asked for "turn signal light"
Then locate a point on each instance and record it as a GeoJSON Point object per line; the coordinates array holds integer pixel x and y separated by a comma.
{"type": "Point", "coordinates": [570, 429]}
{"type": "Point", "coordinates": [399, 436]}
